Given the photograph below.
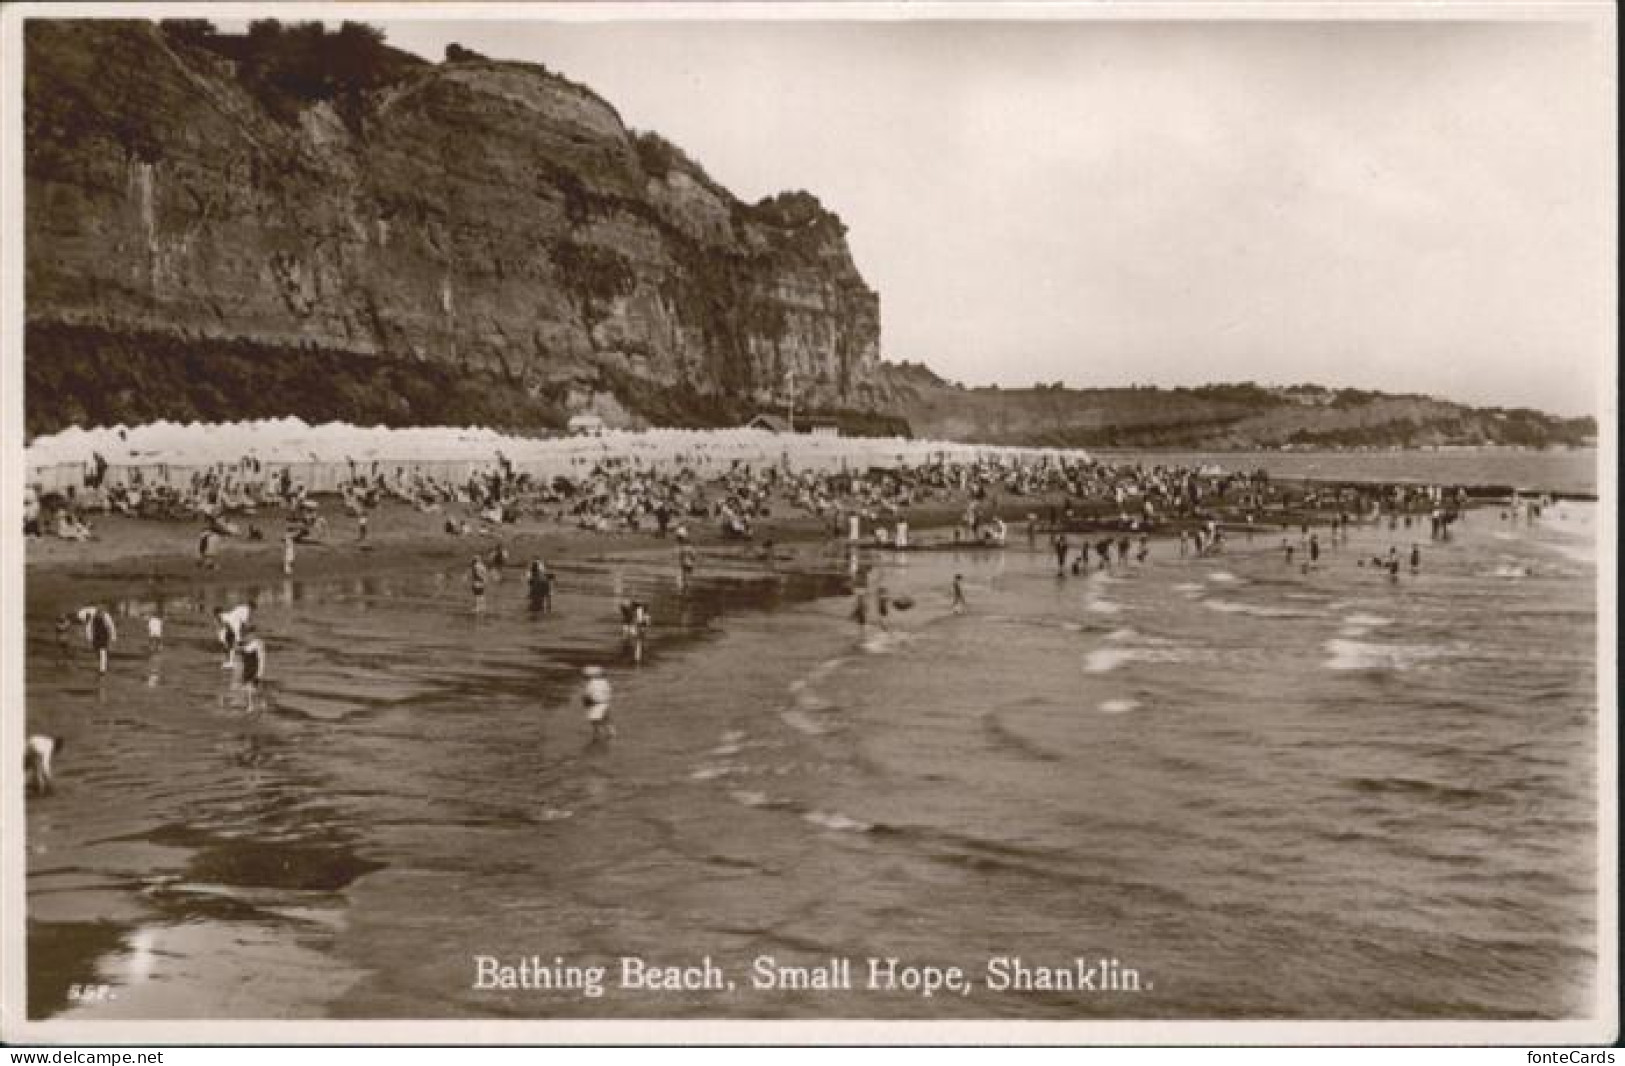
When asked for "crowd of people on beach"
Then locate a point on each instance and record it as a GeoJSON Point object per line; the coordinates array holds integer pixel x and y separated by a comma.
{"type": "Point", "coordinates": [1096, 516]}
{"type": "Point", "coordinates": [627, 495]}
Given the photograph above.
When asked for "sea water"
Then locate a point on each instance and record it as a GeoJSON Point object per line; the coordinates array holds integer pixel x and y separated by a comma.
{"type": "Point", "coordinates": [1271, 792]}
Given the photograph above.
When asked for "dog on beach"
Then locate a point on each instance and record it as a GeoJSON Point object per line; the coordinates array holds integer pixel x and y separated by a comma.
{"type": "Point", "coordinates": [37, 756]}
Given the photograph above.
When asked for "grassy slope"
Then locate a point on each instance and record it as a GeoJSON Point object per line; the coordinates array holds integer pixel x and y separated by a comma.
{"type": "Point", "coordinates": [1224, 416]}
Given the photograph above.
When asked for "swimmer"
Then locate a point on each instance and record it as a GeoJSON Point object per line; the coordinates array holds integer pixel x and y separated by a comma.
{"type": "Point", "coordinates": [959, 604]}
{"type": "Point", "coordinates": [287, 554]}
{"type": "Point", "coordinates": [1416, 559]}
{"type": "Point", "coordinates": [595, 698]}
{"type": "Point", "coordinates": [155, 632]}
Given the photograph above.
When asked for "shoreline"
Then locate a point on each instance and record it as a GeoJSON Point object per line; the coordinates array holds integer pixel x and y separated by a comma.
{"type": "Point", "coordinates": [161, 553]}
{"type": "Point", "coordinates": [158, 554]}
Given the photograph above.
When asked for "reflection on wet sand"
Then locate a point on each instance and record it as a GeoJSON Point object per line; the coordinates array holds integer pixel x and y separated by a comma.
{"type": "Point", "coordinates": [197, 814]}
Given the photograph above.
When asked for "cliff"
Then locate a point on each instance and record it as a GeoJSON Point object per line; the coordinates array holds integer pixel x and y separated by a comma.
{"type": "Point", "coordinates": [303, 223]}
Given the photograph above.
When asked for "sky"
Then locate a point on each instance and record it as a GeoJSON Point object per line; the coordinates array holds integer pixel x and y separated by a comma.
{"type": "Point", "coordinates": [1402, 205]}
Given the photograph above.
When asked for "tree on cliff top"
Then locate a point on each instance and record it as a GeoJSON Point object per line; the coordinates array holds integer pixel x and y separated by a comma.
{"type": "Point", "coordinates": [289, 66]}
{"type": "Point", "coordinates": [793, 209]}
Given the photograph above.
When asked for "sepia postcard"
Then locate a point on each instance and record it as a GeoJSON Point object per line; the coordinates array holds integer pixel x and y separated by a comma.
{"type": "Point", "coordinates": [988, 523]}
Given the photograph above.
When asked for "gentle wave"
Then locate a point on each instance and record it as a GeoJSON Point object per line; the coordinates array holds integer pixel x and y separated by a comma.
{"type": "Point", "coordinates": [1256, 610]}
{"type": "Point", "coordinates": [1357, 655]}
{"type": "Point", "coordinates": [1105, 660]}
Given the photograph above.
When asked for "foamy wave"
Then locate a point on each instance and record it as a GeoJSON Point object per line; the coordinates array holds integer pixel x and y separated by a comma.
{"type": "Point", "coordinates": [1118, 706]}
{"type": "Point", "coordinates": [1105, 660]}
{"type": "Point", "coordinates": [1359, 624]}
{"type": "Point", "coordinates": [1509, 570]}
{"type": "Point", "coordinates": [884, 643]}
{"type": "Point", "coordinates": [1096, 603]}
{"type": "Point", "coordinates": [1255, 610]}
{"type": "Point", "coordinates": [837, 821]}
{"type": "Point", "coordinates": [711, 773]}
{"type": "Point", "coordinates": [1582, 551]}
{"type": "Point", "coordinates": [802, 724]}
{"type": "Point", "coordinates": [1357, 655]}
{"type": "Point", "coordinates": [825, 668]}
{"type": "Point", "coordinates": [750, 798]}
{"type": "Point", "coordinates": [1223, 577]}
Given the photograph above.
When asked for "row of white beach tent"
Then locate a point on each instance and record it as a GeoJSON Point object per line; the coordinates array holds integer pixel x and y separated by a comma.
{"type": "Point", "coordinates": [321, 456]}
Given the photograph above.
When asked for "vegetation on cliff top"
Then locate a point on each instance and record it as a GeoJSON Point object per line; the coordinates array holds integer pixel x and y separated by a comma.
{"type": "Point", "coordinates": [287, 67]}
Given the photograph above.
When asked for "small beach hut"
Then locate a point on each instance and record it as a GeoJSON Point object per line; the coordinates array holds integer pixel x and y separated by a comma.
{"type": "Point", "coordinates": [771, 423]}
{"type": "Point", "coordinates": [585, 425]}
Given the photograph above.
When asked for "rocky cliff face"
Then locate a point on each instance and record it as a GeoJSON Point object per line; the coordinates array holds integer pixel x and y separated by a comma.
{"type": "Point", "coordinates": [490, 217]}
